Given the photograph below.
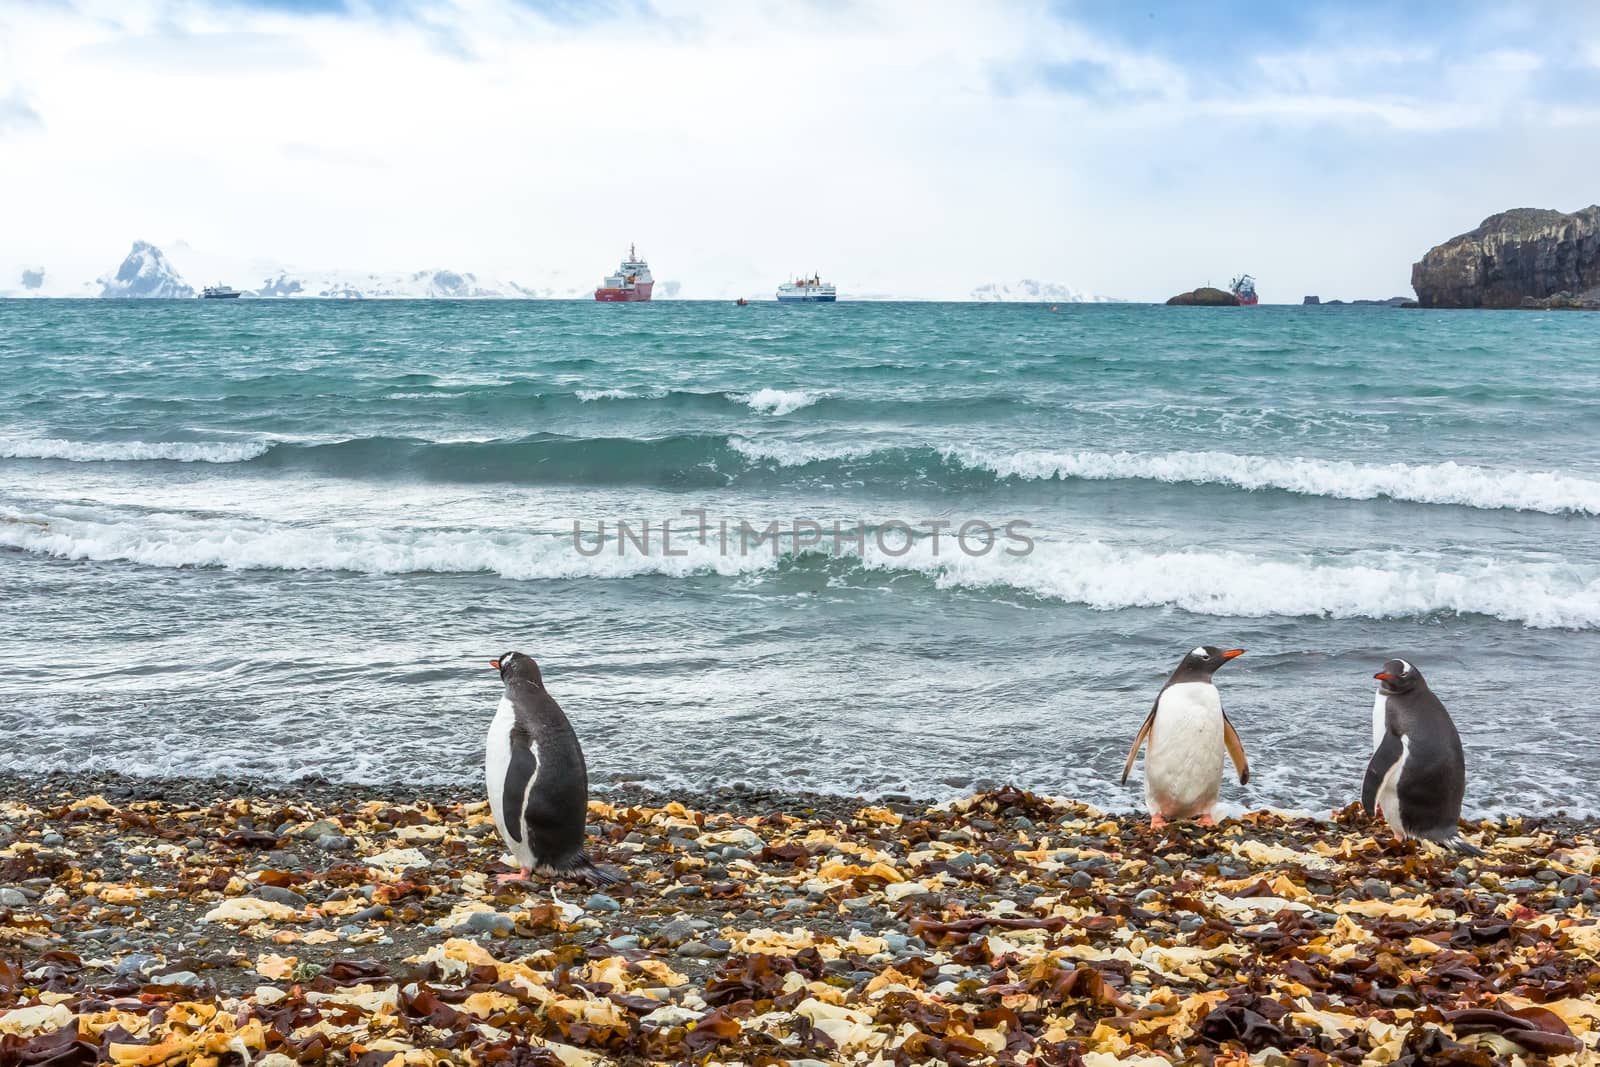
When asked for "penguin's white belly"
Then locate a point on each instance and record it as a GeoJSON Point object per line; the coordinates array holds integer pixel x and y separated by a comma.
{"type": "Point", "coordinates": [496, 764]}
{"type": "Point", "coordinates": [1380, 718]}
{"type": "Point", "coordinates": [1389, 790]}
{"type": "Point", "coordinates": [1183, 769]}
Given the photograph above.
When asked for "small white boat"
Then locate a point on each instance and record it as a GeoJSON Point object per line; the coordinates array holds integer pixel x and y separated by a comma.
{"type": "Point", "coordinates": [220, 292]}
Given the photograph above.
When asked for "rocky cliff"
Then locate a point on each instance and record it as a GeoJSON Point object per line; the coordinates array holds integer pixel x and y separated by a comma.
{"type": "Point", "coordinates": [1528, 257]}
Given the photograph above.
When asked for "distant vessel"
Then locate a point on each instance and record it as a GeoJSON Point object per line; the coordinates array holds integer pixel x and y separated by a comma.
{"type": "Point", "coordinates": [1244, 287]}
{"type": "Point", "coordinates": [220, 292]}
{"type": "Point", "coordinates": [631, 283]}
{"type": "Point", "coordinates": [741, 302]}
{"type": "Point", "coordinates": [812, 290]}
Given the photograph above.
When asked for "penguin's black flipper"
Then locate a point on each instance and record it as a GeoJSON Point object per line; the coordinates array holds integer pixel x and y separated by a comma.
{"type": "Point", "coordinates": [524, 765]}
{"type": "Point", "coordinates": [1138, 741]}
{"type": "Point", "coordinates": [1387, 755]}
{"type": "Point", "coordinates": [1230, 737]}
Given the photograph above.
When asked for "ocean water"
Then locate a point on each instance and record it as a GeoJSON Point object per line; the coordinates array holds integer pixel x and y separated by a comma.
{"type": "Point", "coordinates": [276, 539]}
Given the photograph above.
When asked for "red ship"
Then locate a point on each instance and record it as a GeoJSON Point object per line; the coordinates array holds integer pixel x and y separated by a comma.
{"type": "Point", "coordinates": [630, 284]}
{"type": "Point", "coordinates": [1244, 287]}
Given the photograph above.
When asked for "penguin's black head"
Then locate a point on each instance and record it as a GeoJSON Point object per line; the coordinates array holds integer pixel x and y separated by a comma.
{"type": "Point", "coordinates": [515, 665]}
{"type": "Point", "coordinates": [1398, 676]}
{"type": "Point", "coordinates": [1208, 658]}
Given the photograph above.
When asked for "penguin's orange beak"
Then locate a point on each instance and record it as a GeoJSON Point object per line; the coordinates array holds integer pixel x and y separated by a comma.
{"type": "Point", "coordinates": [1384, 676]}
{"type": "Point", "coordinates": [1232, 652]}
{"type": "Point", "coordinates": [495, 664]}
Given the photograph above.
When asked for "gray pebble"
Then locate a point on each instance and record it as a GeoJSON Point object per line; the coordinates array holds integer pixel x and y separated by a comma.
{"type": "Point", "coordinates": [1546, 875]}
{"type": "Point", "coordinates": [963, 861]}
{"type": "Point", "coordinates": [373, 914]}
{"type": "Point", "coordinates": [135, 964]}
{"type": "Point", "coordinates": [490, 922]}
{"type": "Point", "coordinates": [334, 843]}
{"type": "Point", "coordinates": [601, 902]}
{"type": "Point", "coordinates": [1521, 885]}
{"type": "Point", "coordinates": [52, 840]}
{"type": "Point", "coordinates": [279, 895]}
{"type": "Point", "coordinates": [1081, 880]}
{"type": "Point", "coordinates": [1573, 884]}
{"type": "Point", "coordinates": [708, 949]}
{"type": "Point", "coordinates": [1190, 923]}
{"type": "Point", "coordinates": [1376, 888]}
{"type": "Point", "coordinates": [12, 898]}
{"type": "Point", "coordinates": [318, 829]}
{"type": "Point", "coordinates": [678, 931]}
{"type": "Point", "coordinates": [624, 943]}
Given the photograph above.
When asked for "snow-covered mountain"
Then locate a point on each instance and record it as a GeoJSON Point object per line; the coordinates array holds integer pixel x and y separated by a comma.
{"type": "Point", "coordinates": [1030, 290]}
{"type": "Point", "coordinates": [417, 285]}
{"type": "Point", "coordinates": [145, 273]}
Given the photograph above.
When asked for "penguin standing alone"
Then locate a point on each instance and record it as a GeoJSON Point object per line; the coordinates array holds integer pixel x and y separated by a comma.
{"type": "Point", "coordinates": [1418, 774]}
{"type": "Point", "coordinates": [537, 781]}
{"type": "Point", "coordinates": [1188, 731]}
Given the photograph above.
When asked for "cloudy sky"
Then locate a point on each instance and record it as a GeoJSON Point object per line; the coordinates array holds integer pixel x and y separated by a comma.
{"type": "Point", "coordinates": [1128, 149]}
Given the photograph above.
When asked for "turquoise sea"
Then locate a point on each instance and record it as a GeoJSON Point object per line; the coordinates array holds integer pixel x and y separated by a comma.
{"type": "Point", "coordinates": [285, 538]}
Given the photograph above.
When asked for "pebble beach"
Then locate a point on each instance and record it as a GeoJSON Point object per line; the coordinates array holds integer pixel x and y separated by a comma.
{"type": "Point", "coordinates": [188, 921]}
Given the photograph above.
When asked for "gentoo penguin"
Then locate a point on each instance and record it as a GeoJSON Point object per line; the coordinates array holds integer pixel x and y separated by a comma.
{"type": "Point", "coordinates": [1418, 775]}
{"type": "Point", "coordinates": [537, 781]}
{"type": "Point", "coordinates": [1188, 731]}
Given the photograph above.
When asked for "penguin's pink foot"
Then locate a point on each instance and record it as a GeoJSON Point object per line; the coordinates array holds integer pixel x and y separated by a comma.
{"type": "Point", "coordinates": [1206, 820]}
{"type": "Point", "coordinates": [1156, 821]}
{"type": "Point", "coordinates": [521, 876]}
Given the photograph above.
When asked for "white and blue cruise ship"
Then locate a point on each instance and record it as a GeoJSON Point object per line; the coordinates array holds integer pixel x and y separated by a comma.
{"type": "Point", "coordinates": [812, 290]}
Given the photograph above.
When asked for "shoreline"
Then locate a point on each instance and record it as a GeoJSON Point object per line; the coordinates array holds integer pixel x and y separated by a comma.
{"type": "Point", "coordinates": [739, 800]}
{"type": "Point", "coordinates": [162, 921]}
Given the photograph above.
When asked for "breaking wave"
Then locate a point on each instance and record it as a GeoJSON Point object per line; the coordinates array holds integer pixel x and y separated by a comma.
{"type": "Point", "coordinates": [1373, 585]}
{"type": "Point", "coordinates": [133, 451]}
{"type": "Point", "coordinates": [777, 401]}
{"type": "Point", "coordinates": [714, 459]}
{"type": "Point", "coordinates": [1426, 483]}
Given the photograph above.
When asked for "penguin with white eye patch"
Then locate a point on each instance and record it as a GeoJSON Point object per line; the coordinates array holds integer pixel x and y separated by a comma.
{"type": "Point", "coordinates": [1188, 734]}
{"type": "Point", "coordinates": [1418, 774]}
{"type": "Point", "coordinates": [537, 780]}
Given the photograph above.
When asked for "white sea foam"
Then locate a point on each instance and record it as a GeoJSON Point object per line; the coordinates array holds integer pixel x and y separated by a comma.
{"type": "Point", "coordinates": [777, 401]}
{"type": "Point", "coordinates": [114, 451]}
{"type": "Point", "coordinates": [588, 396]}
{"type": "Point", "coordinates": [793, 453]}
{"type": "Point", "coordinates": [1375, 585]}
{"type": "Point", "coordinates": [1427, 483]}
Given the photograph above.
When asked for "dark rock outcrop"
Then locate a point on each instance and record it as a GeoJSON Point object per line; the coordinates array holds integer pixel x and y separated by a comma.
{"type": "Point", "coordinates": [1312, 300]}
{"type": "Point", "coordinates": [1528, 257]}
{"type": "Point", "coordinates": [1206, 296]}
